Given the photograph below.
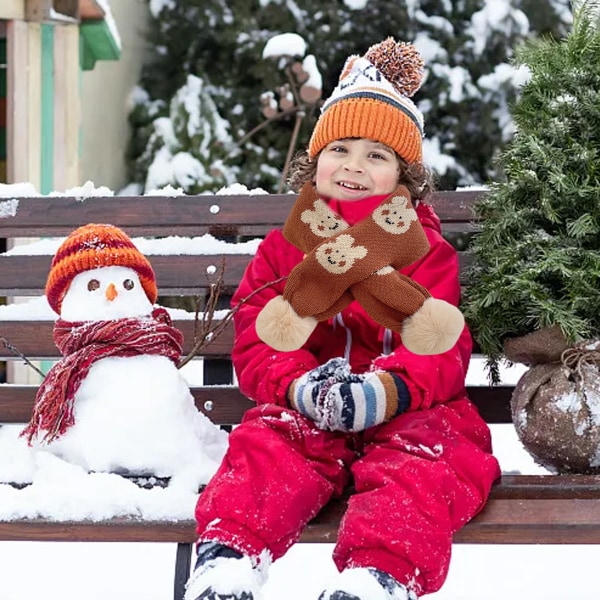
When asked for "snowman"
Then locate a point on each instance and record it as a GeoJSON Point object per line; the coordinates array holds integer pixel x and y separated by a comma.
{"type": "Point", "coordinates": [116, 401]}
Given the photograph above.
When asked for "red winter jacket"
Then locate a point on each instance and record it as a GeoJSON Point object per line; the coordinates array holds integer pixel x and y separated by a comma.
{"type": "Point", "coordinates": [264, 374]}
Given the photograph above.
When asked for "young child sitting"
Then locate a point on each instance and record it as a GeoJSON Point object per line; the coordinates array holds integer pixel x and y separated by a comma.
{"type": "Point", "coordinates": [340, 398]}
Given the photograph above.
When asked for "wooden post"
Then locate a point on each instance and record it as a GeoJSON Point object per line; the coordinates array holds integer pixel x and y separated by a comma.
{"type": "Point", "coordinates": [70, 8]}
{"type": "Point", "coordinates": [37, 10]}
{"type": "Point", "coordinates": [67, 111]}
{"type": "Point", "coordinates": [12, 9]}
{"type": "Point", "coordinates": [47, 106]}
{"type": "Point", "coordinates": [34, 112]}
{"type": "Point", "coordinates": [17, 102]}
{"type": "Point", "coordinates": [23, 122]}
{"type": "Point", "coordinates": [46, 10]}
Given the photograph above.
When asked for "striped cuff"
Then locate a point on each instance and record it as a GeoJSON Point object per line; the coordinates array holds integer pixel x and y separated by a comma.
{"type": "Point", "coordinates": [377, 399]}
{"type": "Point", "coordinates": [303, 396]}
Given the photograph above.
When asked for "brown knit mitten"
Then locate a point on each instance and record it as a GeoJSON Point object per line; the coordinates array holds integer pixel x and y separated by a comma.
{"type": "Point", "coordinates": [427, 325]}
{"type": "Point", "coordinates": [392, 235]}
{"type": "Point", "coordinates": [321, 285]}
{"type": "Point", "coordinates": [345, 263]}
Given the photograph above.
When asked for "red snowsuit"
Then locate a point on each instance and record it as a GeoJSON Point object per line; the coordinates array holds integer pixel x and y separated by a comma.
{"type": "Point", "coordinates": [418, 478]}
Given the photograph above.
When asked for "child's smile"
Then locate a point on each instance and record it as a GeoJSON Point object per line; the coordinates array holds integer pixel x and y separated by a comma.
{"type": "Point", "coordinates": [356, 168]}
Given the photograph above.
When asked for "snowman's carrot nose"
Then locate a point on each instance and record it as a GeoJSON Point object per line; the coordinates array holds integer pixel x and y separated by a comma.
{"type": "Point", "coordinates": [111, 292]}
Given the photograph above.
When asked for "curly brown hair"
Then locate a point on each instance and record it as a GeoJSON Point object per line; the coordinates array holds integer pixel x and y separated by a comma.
{"type": "Point", "coordinates": [416, 176]}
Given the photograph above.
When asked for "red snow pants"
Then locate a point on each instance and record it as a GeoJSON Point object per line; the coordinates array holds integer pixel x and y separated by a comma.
{"type": "Point", "coordinates": [417, 480]}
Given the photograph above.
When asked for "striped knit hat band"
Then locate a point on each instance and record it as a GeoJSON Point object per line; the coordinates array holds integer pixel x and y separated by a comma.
{"type": "Point", "coordinates": [90, 247]}
{"type": "Point", "coordinates": [372, 100]}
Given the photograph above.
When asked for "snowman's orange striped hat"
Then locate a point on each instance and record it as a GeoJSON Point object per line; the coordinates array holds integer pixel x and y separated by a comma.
{"type": "Point", "coordinates": [90, 247]}
{"type": "Point", "coordinates": [372, 100]}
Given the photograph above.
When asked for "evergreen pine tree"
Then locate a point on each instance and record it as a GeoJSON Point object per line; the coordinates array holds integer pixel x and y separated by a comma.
{"type": "Point", "coordinates": [191, 148]}
{"type": "Point", "coordinates": [468, 87]}
{"type": "Point", "coordinates": [538, 253]}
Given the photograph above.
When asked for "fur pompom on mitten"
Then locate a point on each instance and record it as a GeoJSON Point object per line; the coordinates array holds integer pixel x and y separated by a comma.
{"type": "Point", "coordinates": [279, 326]}
{"type": "Point", "coordinates": [434, 328]}
{"type": "Point", "coordinates": [369, 400]}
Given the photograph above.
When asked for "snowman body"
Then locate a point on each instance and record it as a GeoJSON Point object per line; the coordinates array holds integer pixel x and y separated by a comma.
{"type": "Point", "coordinates": [148, 425]}
{"type": "Point", "coordinates": [132, 415]}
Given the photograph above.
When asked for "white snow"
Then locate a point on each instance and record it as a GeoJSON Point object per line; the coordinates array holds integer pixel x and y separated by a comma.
{"type": "Point", "coordinates": [315, 79]}
{"type": "Point", "coordinates": [356, 4]}
{"type": "Point", "coordinates": [204, 244]}
{"type": "Point", "coordinates": [8, 208]}
{"type": "Point", "coordinates": [16, 190]}
{"type": "Point", "coordinates": [156, 6]}
{"type": "Point", "coordinates": [495, 16]}
{"type": "Point", "coordinates": [285, 44]}
{"type": "Point", "coordinates": [87, 190]}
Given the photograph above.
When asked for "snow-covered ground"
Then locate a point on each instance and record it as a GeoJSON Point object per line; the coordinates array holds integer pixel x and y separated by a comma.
{"type": "Point", "coordinates": [95, 571]}
{"type": "Point", "coordinates": [60, 571]}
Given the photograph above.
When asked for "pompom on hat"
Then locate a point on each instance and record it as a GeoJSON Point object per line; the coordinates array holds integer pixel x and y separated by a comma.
{"type": "Point", "coordinates": [372, 100]}
{"type": "Point", "coordinates": [90, 247]}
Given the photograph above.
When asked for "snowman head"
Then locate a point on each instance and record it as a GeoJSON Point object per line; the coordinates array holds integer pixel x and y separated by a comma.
{"type": "Point", "coordinates": [91, 249]}
{"type": "Point", "coordinates": [105, 294]}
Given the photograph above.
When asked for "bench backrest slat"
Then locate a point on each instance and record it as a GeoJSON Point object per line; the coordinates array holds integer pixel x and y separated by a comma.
{"type": "Point", "coordinates": [176, 274]}
{"type": "Point", "coordinates": [34, 339]}
{"type": "Point", "coordinates": [226, 405]}
{"type": "Point", "coordinates": [179, 215]}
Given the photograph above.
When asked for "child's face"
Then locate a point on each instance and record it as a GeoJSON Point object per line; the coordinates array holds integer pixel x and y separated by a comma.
{"type": "Point", "coordinates": [356, 168]}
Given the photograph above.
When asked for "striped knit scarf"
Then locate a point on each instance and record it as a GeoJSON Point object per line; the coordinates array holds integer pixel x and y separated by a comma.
{"type": "Point", "coordinates": [83, 343]}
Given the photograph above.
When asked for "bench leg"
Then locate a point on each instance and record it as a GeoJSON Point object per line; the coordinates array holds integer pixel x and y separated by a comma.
{"type": "Point", "coordinates": [183, 562]}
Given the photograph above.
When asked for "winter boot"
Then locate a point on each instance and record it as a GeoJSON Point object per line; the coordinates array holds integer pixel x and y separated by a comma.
{"type": "Point", "coordinates": [221, 573]}
{"type": "Point", "coordinates": [366, 584]}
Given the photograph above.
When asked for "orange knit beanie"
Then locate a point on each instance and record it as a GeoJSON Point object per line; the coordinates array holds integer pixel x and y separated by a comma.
{"type": "Point", "coordinates": [90, 247]}
{"type": "Point", "coordinates": [372, 100]}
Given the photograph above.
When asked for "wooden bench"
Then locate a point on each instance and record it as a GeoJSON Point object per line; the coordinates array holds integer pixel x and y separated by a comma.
{"type": "Point", "coordinates": [522, 509]}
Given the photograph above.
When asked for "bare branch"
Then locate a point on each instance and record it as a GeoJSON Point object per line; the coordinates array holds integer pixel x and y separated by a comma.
{"type": "Point", "coordinates": [261, 125]}
{"type": "Point", "coordinates": [206, 329]}
{"type": "Point", "coordinates": [290, 153]}
{"type": "Point", "coordinates": [16, 352]}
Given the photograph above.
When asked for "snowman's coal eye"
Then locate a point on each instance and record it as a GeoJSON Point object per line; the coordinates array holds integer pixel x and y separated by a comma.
{"type": "Point", "coordinates": [128, 284]}
{"type": "Point", "coordinates": [93, 284]}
